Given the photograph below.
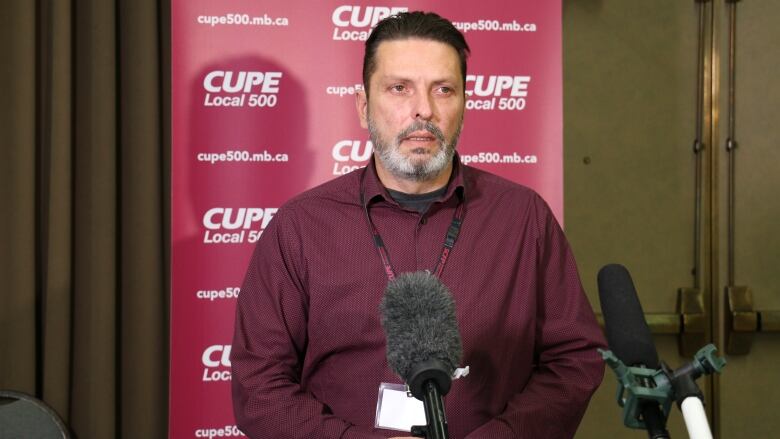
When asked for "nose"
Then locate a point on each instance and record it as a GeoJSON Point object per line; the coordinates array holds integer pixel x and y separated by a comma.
{"type": "Point", "coordinates": [423, 107]}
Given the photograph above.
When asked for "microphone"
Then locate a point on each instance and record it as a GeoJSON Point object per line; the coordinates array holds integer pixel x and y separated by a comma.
{"type": "Point", "coordinates": [629, 338]}
{"type": "Point", "coordinates": [423, 342]}
{"type": "Point", "coordinates": [627, 332]}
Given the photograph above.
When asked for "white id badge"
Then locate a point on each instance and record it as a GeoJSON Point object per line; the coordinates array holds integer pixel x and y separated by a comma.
{"type": "Point", "coordinates": [395, 410]}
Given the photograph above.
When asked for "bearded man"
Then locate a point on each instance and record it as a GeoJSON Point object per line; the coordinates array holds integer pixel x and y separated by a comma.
{"type": "Point", "coordinates": [308, 354]}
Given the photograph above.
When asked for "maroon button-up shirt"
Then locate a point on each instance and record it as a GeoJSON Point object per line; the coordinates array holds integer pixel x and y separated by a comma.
{"type": "Point", "coordinates": [308, 353]}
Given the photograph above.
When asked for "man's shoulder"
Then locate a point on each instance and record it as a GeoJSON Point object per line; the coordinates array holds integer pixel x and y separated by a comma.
{"type": "Point", "coordinates": [484, 184]}
{"type": "Point", "coordinates": [497, 197]}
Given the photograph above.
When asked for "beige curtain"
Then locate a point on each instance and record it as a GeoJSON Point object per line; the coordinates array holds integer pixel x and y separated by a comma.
{"type": "Point", "coordinates": [84, 184]}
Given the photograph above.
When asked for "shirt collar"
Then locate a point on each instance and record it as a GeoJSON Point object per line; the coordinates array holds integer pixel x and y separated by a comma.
{"type": "Point", "coordinates": [373, 189]}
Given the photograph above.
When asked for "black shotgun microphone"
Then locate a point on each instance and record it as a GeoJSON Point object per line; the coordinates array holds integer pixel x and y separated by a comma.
{"type": "Point", "coordinates": [423, 342]}
{"type": "Point", "coordinates": [628, 335]}
{"type": "Point", "coordinates": [627, 332]}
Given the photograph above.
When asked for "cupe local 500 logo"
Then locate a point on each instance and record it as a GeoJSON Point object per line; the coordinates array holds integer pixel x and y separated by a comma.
{"type": "Point", "coordinates": [349, 155]}
{"type": "Point", "coordinates": [227, 88]}
{"type": "Point", "coordinates": [360, 19]}
{"type": "Point", "coordinates": [216, 363]}
{"type": "Point", "coordinates": [228, 225]}
{"type": "Point", "coordinates": [496, 92]}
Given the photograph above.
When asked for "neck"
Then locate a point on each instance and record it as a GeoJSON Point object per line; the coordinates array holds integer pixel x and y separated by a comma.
{"type": "Point", "coordinates": [406, 186]}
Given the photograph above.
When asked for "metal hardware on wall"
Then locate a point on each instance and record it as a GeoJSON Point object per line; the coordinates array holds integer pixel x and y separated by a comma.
{"type": "Point", "coordinates": [742, 321]}
{"type": "Point", "coordinates": [690, 305]}
{"type": "Point", "coordinates": [698, 145]}
{"type": "Point", "coordinates": [731, 141]}
{"type": "Point", "coordinates": [690, 302]}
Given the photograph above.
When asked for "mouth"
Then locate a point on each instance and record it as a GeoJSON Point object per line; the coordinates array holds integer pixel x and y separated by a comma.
{"type": "Point", "coordinates": [419, 137]}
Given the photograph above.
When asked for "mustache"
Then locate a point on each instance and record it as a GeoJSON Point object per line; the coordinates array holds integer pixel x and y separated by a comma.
{"type": "Point", "coordinates": [421, 126]}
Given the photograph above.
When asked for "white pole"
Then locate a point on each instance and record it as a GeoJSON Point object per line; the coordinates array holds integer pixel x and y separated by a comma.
{"type": "Point", "coordinates": [695, 418]}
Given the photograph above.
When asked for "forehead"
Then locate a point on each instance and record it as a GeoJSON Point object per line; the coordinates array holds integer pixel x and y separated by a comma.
{"type": "Point", "coordinates": [414, 58]}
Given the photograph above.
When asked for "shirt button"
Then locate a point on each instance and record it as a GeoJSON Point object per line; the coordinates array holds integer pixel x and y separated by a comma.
{"type": "Point", "coordinates": [423, 220]}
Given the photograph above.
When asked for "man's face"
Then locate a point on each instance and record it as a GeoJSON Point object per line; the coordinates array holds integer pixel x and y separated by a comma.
{"type": "Point", "coordinates": [415, 111]}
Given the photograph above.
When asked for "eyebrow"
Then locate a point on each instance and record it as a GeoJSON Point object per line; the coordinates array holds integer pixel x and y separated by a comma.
{"type": "Point", "coordinates": [393, 78]}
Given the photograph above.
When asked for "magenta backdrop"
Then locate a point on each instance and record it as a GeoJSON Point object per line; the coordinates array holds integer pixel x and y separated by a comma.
{"type": "Point", "coordinates": [263, 108]}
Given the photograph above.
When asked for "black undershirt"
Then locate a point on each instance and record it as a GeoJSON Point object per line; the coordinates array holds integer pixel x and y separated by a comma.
{"type": "Point", "coordinates": [417, 202]}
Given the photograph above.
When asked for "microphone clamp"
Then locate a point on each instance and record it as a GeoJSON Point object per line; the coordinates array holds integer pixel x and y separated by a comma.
{"type": "Point", "coordinates": [636, 385]}
{"type": "Point", "coordinates": [663, 386]}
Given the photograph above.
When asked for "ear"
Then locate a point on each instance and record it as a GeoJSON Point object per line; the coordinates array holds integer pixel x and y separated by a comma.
{"type": "Point", "coordinates": [361, 103]}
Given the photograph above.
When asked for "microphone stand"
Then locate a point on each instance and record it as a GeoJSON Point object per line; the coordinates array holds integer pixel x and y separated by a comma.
{"type": "Point", "coordinates": [646, 395]}
{"type": "Point", "coordinates": [654, 420]}
{"type": "Point", "coordinates": [687, 393]}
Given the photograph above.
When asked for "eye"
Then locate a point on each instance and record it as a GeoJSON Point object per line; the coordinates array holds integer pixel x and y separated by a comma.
{"type": "Point", "coordinates": [446, 90]}
{"type": "Point", "coordinates": [398, 88]}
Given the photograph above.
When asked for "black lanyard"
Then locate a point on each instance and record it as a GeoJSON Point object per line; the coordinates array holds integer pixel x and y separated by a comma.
{"type": "Point", "coordinates": [449, 240]}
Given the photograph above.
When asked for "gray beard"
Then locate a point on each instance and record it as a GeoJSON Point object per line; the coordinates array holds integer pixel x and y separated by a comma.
{"type": "Point", "coordinates": [407, 168]}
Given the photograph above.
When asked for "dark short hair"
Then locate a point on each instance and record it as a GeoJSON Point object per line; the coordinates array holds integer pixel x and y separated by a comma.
{"type": "Point", "coordinates": [417, 24]}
